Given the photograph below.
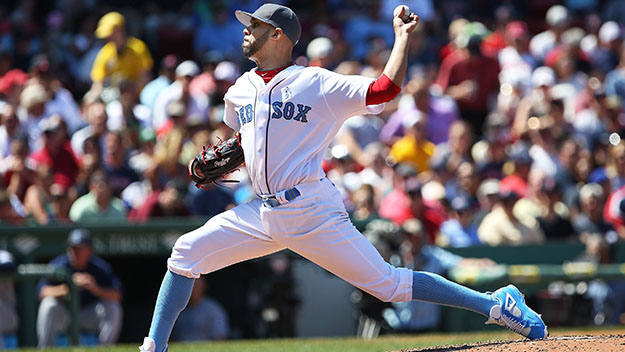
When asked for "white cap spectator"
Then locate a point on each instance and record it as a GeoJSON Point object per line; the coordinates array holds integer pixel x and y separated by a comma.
{"type": "Point", "coordinates": [557, 15]}
{"type": "Point", "coordinates": [609, 32]}
{"type": "Point", "coordinates": [32, 95]}
{"type": "Point", "coordinates": [433, 191]}
{"type": "Point", "coordinates": [226, 71]}
{"type": "Point", "coordinates": [488, 187]}
{"type": "Point", "coordinates": [590, 190]}
{"type": "Point", "coordinates": [318, 48]}
{"type": "Point", "coordinates": [187, 68]}
{"type": "Point", "coordinates": [411, 118]}
{"type": "Point", "coordinates": [573, 36]}
{"type": "Point", "coordinates": [543, 76]}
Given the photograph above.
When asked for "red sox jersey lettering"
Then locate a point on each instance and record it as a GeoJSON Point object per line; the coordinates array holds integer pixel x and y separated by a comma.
{"type": "Point", "coordinates": [287, 124]}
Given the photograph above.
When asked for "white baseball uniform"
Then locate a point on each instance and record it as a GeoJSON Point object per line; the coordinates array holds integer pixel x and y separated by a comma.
{"type": "Point", "coordinates": [286, 126]}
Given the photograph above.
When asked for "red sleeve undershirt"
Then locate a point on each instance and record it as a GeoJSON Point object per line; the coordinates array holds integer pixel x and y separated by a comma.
{"type": "Point", "coordinates": [382, 90]}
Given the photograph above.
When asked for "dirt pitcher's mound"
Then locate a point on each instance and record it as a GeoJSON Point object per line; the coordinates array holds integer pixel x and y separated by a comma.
{"type": "Point", "coordinates": [596, 343]}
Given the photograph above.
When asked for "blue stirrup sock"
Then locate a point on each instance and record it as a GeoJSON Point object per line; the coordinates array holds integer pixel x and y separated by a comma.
{"type": "Point", "coordinates": [172, 299]}
{"type": "Point", "coordinates": [434, 288]}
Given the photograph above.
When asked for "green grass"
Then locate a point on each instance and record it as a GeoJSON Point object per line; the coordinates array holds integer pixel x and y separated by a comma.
{"type": "Point", "coordinates": [384, 343]}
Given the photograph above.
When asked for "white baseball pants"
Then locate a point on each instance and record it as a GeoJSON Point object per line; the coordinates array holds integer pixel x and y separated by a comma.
{"type": "Point", "coordinates": [314, 225]}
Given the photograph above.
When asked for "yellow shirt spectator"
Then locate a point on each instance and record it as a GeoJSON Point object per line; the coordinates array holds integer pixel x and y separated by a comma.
{"type": "Point", "coordinates": [409, 150]}
{"type": "Point", "coordinates": [129, 64]}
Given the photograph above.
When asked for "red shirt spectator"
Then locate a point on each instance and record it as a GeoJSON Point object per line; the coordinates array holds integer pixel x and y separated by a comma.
{"type": "Point", "coordinates": [57, 154]}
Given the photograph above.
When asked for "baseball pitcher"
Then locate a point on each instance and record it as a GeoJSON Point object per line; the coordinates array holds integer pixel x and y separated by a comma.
{"type": "Point", "coordinates": [285, 117]}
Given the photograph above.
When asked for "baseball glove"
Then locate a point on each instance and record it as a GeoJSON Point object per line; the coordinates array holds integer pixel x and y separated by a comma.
{"type": "Point", "coordinates": [216, 161]}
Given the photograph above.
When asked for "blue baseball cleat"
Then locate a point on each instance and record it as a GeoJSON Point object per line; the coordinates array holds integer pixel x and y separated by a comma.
{"type": "Point", "coordinates": [514, 314]}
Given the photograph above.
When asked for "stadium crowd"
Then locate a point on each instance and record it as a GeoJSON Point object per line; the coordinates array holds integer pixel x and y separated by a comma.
{"type": "Point", "coordinates": [507, 131]}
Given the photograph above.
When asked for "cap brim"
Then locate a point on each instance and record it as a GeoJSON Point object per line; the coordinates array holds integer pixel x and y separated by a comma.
{"type": "Point", "coordinates": [246, 18]}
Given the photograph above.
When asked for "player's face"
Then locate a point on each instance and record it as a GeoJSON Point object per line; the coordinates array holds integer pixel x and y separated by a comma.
{"type": "Point", "coordinates": [255, 36]}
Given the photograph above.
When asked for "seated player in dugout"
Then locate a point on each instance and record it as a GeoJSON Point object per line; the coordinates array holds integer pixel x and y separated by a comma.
{"type": "Point", "coordinates": [100, 293]}
{"type": "Point", "coordinates": [286, 116]}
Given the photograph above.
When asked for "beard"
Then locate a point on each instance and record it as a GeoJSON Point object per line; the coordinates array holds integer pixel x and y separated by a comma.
{"type": "Point", "coordinates": [255, 46]}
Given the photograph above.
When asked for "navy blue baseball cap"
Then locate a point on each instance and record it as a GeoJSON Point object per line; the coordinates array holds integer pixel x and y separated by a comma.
{"type": "Point", "coordinates": [276, 15]}
{"type": "Point", "coordinates": [80, 237]}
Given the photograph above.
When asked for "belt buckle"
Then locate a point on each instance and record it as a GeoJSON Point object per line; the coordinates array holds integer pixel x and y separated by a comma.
{"type": "Point", "coordinates": [270, 202]}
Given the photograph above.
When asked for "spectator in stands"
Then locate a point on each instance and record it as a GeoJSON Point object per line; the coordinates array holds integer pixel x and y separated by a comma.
{"type": "Point", "coordinates": [449, 155]}
{"type": "Point", "coordinates": [57, 153]}
{"type": "Point", "coordinates": [96, 117]}
{"type": "Point", "coordinates": [221, 34]}
{"type": "Point", "coordinates": [10, 129]}
{"type": "Point", "coordinates": [515, 59]}
{"type": "Point", "coordinates": [544, 149]}
{"type": "Point", "coordinates": [489, 163]}
{"type": "Point", "coordinates": [357, 133]}
{"type": "Point", "coordinates": [615, 79]}
{"type": "Point", "coordinates": [606, 55]}
{"type": "Point", "coordinates": [166, 75]}
{"type": "Point", "coordinates": [487, 196]}
{"type": "Point", "coordinates": [537, 102]}
{"type": "Point", "coordinates": [99, 206]}
{"type": "Point", "coordinates": [122, 58]}
{"type": "Point", "coordinates": [518, 178]}
{"type": "Point", "coordinates": [90, 162]}
{"type": "Point", "coordinates": [17, 170]}
{"type": "Point", "coordinates": [459, 230]}
{"type": "Point", "coordinates": [441, 109]}
{"type": "Point", "coordinates": [395, 206]}
{"type": "Point", "coordinates": [142, 159]}
{"type": "Point", "coordinates": [378, 172]}
{"type": "Point", "coordinates": [553, 221]}
{"type": "Point", "coordinates": [31, 112]}
{"type": "Point", "coordinates": [60, 101]}
{"type": "Point", "coordinates": [115, 163]}
{"type": "Point", "coordinates": [12, 85]}
{"type": "Point", "coordinates": [464, 184]}
{"type": "Point", "coordinates": [615, 165]}
{"type": "Point", "coordinates": [590, 219]}
{"type": "Point", "coordinates": [558, 20]}
{"type": "Point", "coordinates": [168, 202]}
{"type": "Point", "coordinates": [46, 201]}
{"type": "Point", "coordinates": [9, 320]}
{"type": "Point", "coordinates": [425, 213]}
{"type": "Point", "coordinates": [125, 113]}
{"type": "Point", "coordinates": [471, 79]}
{"type": "Point", "coordinates": [205, 83]}
{"type": "Point", "coordinates": [501, 226]}
{"type": "Point", "coordinates": [203, 319]}
{"type": "Point", "coordinates": [100, 294]}
{"type": "Point", "coordinates": [364, 211]}
{"type": "Point", "coordinates": [414, 147]}
{"type": "Point", "coordinates": [176, 118]}
{"type": "Point", "coordinates": [197, 104]}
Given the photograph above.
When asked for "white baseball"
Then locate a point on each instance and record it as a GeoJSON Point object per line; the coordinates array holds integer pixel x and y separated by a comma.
{"type": "Point", "coordinates": [406, 17]}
